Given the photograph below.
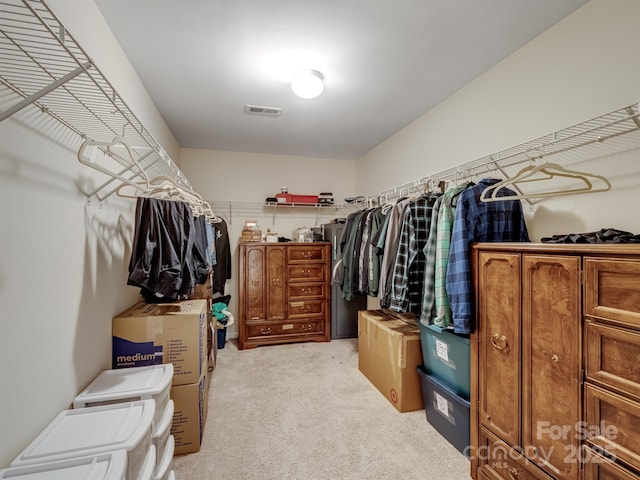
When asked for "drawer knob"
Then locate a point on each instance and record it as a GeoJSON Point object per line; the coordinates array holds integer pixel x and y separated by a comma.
{"type": "Point", "coordinates": [255, 283]}
{"type": "Point", "coordinates": [276, 282]}
{"type": "Point", "coordinates": [499, 341]}
{"type": "Point", "coordinates": [555, 358]}
{"type": "Point", "coordinates": [306, 328]}
{"type": "Point", "coordinates": [265, 331]}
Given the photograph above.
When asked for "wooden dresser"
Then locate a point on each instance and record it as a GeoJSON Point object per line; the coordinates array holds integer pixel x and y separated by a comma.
{"type": "Point", "coordinates": [555, 362]}
{"type": "Point", "coordinates": [284, 293]}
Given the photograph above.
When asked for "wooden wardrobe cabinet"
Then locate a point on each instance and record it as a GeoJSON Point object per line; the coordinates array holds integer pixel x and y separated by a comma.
{"type": "Point", "coordinates": [284, 293]}
{"type": "Point", "coordinates": [555, 362]}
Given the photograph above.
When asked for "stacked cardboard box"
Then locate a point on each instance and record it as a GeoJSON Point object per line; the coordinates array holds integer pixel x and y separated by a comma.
{"type": "Point", "coordinates": [148, 334]}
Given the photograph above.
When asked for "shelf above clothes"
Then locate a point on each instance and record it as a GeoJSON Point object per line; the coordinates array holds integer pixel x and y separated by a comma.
{"type": "Point", "coordinates": [42, 65]}
{"type": "Point", "coordinates": [227, 208]}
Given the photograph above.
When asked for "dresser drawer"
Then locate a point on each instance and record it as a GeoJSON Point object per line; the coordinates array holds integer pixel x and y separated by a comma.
{"type": "Point", "coordinates": [612, 356]}
{"type": "Point", "coordinates": [612, 290]}
{"type": "Point", "coordinates": [598, 467]}
{"type": "Point", "coordinates": [302, 291]}
{"type": "Point", "coordinates": [307, 308]}
{"type": "Point", "coordinates": [613, 424]}
{"type": "Point", "coordinates": [307, 253]}
{"type": "Point", "coordinates": [267, 330]}
{"type": "Point", "coordinates": [498, 461]}
{"type": "Point", "coordinates": [313, 272]}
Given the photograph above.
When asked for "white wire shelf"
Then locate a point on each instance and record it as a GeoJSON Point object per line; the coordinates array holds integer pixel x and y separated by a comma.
{"type": "Point", "coordinates": [42, 65]}
{"type": "Point", "coordinates": [598, 138]}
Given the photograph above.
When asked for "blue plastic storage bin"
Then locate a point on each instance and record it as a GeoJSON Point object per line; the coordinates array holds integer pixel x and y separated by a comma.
{"type": "Point", "coordinates": [446, 411]}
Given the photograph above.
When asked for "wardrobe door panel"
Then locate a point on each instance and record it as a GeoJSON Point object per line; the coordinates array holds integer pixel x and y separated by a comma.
{"type": "Point", "coordinates": [276, 283]}
{"type": "Point", "coordinates": [551, 359]}
{"type": "Point", "coordinates": [254, 286]}
{"type": "Point", "coordinates": [499, 343]}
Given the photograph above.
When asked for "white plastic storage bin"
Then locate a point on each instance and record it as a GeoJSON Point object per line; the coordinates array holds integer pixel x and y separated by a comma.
{"type": "Point", "coordinates": [162, 431]}
{"type": "Point", "coordinates": [149, 465]}
{"type": "Point", "coordinates": [162, 469]}
{"type": "Point", "coordinates": [105, 466]}
{"type": "Point", "coordinates": [127, 385]}
{"type": "Point", "coordinates": [95, 430]}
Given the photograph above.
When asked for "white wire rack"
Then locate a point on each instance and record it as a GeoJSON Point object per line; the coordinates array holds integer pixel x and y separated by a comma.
{"type": "Point", "coordinates": [42, 65]}
{"type": "Point", "coordinates": [598, 138]}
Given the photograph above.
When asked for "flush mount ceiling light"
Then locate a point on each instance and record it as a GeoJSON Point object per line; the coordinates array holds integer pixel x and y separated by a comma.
{"type": "Point", "coordinates": [307, 83]}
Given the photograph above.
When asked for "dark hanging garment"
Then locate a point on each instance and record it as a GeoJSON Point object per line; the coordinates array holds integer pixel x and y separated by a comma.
{"type": "Point", "coordinates": [199, 254]}
{"type": "Point", "coordinates": [161, 249]}
{"type": "Point", "coordinates": [222, 268]}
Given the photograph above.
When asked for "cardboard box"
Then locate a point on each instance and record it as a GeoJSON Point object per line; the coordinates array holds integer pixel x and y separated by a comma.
{"type": "Point", "coordinates": [149, 334]}
{"type": "Point", "coordinates": [189, 414]}
{"type": "Point", "coordinates": [389, 351]}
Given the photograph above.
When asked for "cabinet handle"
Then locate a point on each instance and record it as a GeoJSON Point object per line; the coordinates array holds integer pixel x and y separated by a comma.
{"type": "Point", "coordinates": [306, 328]}
{"type": "Point", "coordinates": [513, 473]}
{"type": "Point", "coordinates": [265, 331]}
{"type": "Point", "coordinates": [555, 358]}
{"type": "Point", "coordinates": [255, 283]}
{"type": "Point", "coordinates": [276, 282]}
{"type": "Point", "coordinates": [499, 341]}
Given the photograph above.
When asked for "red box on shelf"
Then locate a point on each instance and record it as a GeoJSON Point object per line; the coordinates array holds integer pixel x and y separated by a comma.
{"type": "Point", "coordinates": [293, 198]}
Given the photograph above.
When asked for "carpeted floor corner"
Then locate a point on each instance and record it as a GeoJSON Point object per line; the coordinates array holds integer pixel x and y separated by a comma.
{"type": "Point", "coordinates": [305, 412]}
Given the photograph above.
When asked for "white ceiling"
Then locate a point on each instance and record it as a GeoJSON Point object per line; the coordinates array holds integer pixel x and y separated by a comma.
{"type": "Point", "coordinates": [385, 63]}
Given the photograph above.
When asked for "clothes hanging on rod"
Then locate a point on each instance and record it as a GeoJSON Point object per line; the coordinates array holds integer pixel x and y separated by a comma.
{"type": "Point", "coordinates": [407, 284]}
{"type": "Point", "coordinates": [477, 221]}
{"type": "Point", "coordinates": [169, 251]}
{"type": "Point", "coordinates": [435, 306]}
{"type": "Point", "coordinates": [222, 267]}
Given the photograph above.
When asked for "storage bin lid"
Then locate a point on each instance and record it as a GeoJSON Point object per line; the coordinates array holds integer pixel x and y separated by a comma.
{"type": "Point", "coordinates": [105, 466]}
{"type": "Point", "coordinates": [126, 383]}
{"type": "Point", "coordinates": [92, 430]}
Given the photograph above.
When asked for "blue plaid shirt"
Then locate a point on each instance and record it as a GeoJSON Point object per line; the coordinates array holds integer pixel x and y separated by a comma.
{"type": "Point", "coordinates": [477, 221]}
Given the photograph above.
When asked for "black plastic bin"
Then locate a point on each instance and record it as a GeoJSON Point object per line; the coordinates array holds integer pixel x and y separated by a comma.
{"type": "Point", "coordinates": [447, 411]}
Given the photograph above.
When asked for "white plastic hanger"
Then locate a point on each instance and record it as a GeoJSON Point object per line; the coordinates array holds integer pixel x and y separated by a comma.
{"type": "Point", "coordinates": [545, 172]}
{"type": "Point", "coordinates": [131, 161]}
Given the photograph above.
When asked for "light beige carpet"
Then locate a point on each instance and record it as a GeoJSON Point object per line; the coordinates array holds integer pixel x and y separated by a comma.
{"type": "Point", "coordinates": [305, 412]}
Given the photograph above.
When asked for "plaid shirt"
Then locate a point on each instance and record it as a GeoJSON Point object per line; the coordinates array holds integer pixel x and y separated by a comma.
{"type": "Point", "coordinates": [478, 221]}
{"type": "Point", "coordinates": [443, 243]}
{"type": "Point", "coordinates": [428, 295]}
{"type": "Point", "coordinates": [408, 274]}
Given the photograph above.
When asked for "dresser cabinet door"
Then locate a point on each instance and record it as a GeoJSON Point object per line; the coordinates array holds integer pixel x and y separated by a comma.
{"type": "Point", "coordinates": [255, 264]}
{"type": "Point", "coordinates": [276, 283]}
{"type": "Point", "coordinates": [498, 461]}
{"type": "Point", "coordinates": [551, 319]}
{"type": "Point", "coordinates": [499, 343]}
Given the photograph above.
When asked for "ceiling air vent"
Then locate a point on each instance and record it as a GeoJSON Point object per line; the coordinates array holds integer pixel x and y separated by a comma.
{"type": "Point", "coordinates": [257, 110]}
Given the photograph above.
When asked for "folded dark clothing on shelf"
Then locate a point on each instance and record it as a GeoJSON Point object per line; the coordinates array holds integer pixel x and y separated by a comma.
{"type": "Point", "coordinates": [605, 235]}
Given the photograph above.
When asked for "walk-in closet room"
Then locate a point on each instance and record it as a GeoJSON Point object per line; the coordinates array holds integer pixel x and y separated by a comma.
{"type": "Point", "coordinates": [319, 239]}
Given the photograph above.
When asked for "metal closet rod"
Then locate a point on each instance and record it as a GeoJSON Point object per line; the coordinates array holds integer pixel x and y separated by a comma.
{"type": "Point", "coordinates": [581, 135]}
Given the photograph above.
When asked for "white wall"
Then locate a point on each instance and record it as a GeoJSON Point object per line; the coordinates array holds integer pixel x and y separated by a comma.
{"type": "Point", "coordinates": [63, 261]}
{"type": "Point", "coordinates": [585, 66]}
{"type": "Point", "coordinates": [244, 180]}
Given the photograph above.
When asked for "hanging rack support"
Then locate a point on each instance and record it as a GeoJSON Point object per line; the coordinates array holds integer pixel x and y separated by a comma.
{"type": "Point", "coordinates": [48, 89]}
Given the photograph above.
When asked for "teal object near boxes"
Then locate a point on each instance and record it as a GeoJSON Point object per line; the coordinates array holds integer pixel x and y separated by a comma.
{"type": "Point", "coordinates": [446, 356]}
